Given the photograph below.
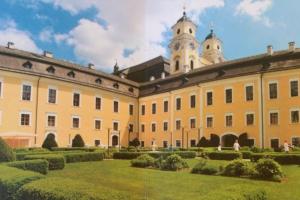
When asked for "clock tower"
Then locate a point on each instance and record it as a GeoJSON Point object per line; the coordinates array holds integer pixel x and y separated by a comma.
{"type": "Point", "coordinates": [184, 46]}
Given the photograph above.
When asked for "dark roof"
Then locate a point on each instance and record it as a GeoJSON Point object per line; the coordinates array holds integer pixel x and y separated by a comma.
{"type": "Point", "coordinates": [184, 18]}
{"type": "Point", "coordinates": [211, 35]}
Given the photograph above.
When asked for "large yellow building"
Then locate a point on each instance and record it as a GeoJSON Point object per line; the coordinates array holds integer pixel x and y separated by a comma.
{"type": "Point", "coordinates": [161, 102]}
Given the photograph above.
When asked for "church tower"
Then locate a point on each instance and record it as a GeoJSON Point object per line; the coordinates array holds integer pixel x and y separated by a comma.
{"type": "Point", "coordinates": [184, 46]}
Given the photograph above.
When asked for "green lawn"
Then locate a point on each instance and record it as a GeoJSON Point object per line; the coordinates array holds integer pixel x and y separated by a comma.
{"type": "Point", "coordinates": [155, 184]}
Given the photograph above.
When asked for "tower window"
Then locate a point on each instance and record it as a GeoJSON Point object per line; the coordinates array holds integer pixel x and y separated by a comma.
{"type": "Point", "coordinates": [177, 65]}
{"type": "Point", "coordinates": [218, 47]}
{"type": "Point", "coordinates": [191, 31]}
{"type": "Point", "coordinates": [207, 47]}
{"type": "Point", "coordinates": [178, 31]}
{"type": "Point", "coordinates": [192, 64]}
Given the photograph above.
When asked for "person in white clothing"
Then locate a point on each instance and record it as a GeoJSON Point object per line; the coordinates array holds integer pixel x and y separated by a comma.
{"type": "Point", "coordinates": [286, 147]}
{"type": "Point", "coordinates": [236, 145]}
{"type": "Point", "coordinates": [219, 147]}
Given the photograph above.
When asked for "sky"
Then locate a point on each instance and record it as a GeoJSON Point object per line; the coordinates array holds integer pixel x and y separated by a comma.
{"type": "Point", "coordinates": [133, 31]}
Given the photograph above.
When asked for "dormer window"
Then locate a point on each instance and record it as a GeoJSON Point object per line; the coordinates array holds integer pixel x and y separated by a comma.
{"type": "Point", "coordinates": [98, 81]}
{"type": "Point", "coordinates": [27, 65]}
{"type": "Point", "coordinates": [130, 89]}
{"type": "Point", "coordinates": [51, 70]}
{"type": "Point", "coordinates": [178, 31]}
{"type": "Point", "coordinates": [191, 31]}
{"type": "Point", "coordinates": [71, 74]}
{"type": "Point", "coordinates": [116, 85]}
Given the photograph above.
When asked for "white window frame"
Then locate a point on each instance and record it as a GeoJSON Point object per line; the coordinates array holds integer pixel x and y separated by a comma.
{"type": "Point", "coordinates": [193, 94]}
{"type": "Point", "coordinates": [178, 119]}
{"type": "Point", "coordinates": [277, 83]}
{"type": "Point", "coordinates": [154, 102]}
{"type": "Point", "coordinates": [79, 123]}
{"type": "Point", "coordinates": [143, 124]}
{"type": "Point", "coordinates": [56, 97]}
{"type": "Point", "coordinates": [228, 88]}
{"type": "Point", "coordinates": [165, 121]}
{"type": "Point", "coordinates": [209, 116]}
{"type": "Point", "coordinates": [229, 114]}
{"type": "Point", "coordinates": [178, 97]}
{"type": "Point", "coordinates": [142, 109]}
{"type": "Point", "coordinates": [113, 105]}
{"type": "Point", "coordinates": [164, 142]}
{"type": "Point", "coordinates": [155, 127]}
{"type": "Point", "coordinates": [176, 143]}
{"type": "Point", "coordinates": [31, 90]}
{"type": "Point", "coordinates": [101, 100]}
{"type": "Point", "coordinates": [131, 104]}
{"type": "Point", "coordinates": [278, 114]}
{"type": "Point", "coordinates": [290, 113]}
{"type": "Point", "coordinates": [98, 119]}
{"type": "Point", "coordinates": [253, 113]}
{"type": "Point", "coordinates": [245, 90]}
{"type": "Point", "coordinates": [206, 102]}
{"type": "Point", "coordinates": [51, 114]}
{"type": "Point", "coordinates": [76, 92]}
{"type": "Point", "coordinates": [118, 122]}
{"type": "Point", "coordinates": [20, 118]}
{"type": "Point", "coordinates": [191, 124]}
{"type": "Point", "coordinates": [290, 89]}
{"type": "Point", "coordinates": [166, 100]}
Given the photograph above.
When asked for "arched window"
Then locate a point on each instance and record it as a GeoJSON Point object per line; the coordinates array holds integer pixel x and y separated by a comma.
{"type": "Point", "coordinates": [51, 69]}
{"type": "Point", "coordinates": [192, 65]}
{"type": "Point", "coordinates": [177, 65]}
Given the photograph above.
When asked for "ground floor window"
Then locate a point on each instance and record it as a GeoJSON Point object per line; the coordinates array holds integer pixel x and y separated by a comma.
{"type": "Point", "coordinates": [296, 141]}
{"type": "Point", "coordinates": [165, 144]}
{"type": "Point", "coordinates": [193, 143]}
{"type": "Point", "coordinates": [142, 143]}
{"type": "Point", "coordinates": [115, 140]}
{"type": "Point", "coordinates": [251, 142]}
{"type": "Point", "coordinates": [275, 143]}
{"type": "Point", "coordinates": [178, 143]}
{"type": "Point", "coordinates": [97, 143]}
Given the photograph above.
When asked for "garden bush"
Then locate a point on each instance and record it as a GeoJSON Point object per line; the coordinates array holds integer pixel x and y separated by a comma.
{"type": "Point", "coordinates": [203, 167]}
{"type": "Point", "coordinates": [246, 154]}
{"type": "Point", "coordinates": [83, 157]}
{"type": "Point", "coordinates": [6, 153]}
{"type": "Point", "coordinates": [281, 158]}
{"type": "Point", "coordinates": [41, 166]}
{"type": "Point", "coordinates": [55, 161]}
{"type": "Point", "coordinates": [49, 142]}
{"type": "Point", "coordinates": [238, 168]}
{"type": "Point", "coordinates": [67, 189]}
{"type": "Point", "coordinates": [77, 141]}
{"type": "Point", "coordinates": [224, 155]}
{"type": "Point", "coordinates": [12, 179]}
{"type": "Point", "coordinates": [133, 155]}
{"type": "Point", "coordinates": [88, 149]}
{"type": "Point", "coordinates": [268, 169]}
{"type": "Point", "coordinates": [174, 163]}
{"type": "Point", "coordinates": [143, 161]}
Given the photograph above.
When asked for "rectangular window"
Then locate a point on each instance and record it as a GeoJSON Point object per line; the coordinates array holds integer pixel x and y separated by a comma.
{"type": "Point", "coordinates": [153, 127]}
{"type": "Point", "coordinates": [97, 124]}
{"type": "Point", "coordinates": [166, 106]}
{"type": "Point", "coordinates": [178, 103]}
{"type": "Point", "coordinates": [178, 143]}
{"type": "Point", "coordinates": [98, 103]}
{"type": "Point", "coordinates": [51, 121]}
{"type": "Point", "coordinates": [97, 143]}
{"type": "Point", "coordinates": [76, 99]}
{"type": "Point", "coordinates": [25, 119]}
{"type": "Point", "coordinates": [228, 93]}
{"type": "Point", "coordinates": [193, 143]}
{"type": "Point", "coordinates": [228, 120]}
{"type": "Point", "coordinates": [51, 95]}
{"type": "Point", "coordinates": [130, 109]}
{"type": "Point", "coordinates": [154, 108]}
{"type": "Point", "coordinates": [296, 141]}
{"type": "Point", "coordinates": [75, 122]}
{"type": "Point", "coordinates": [165, 126]}
{"type": "Point", "coordinates": [209, 98]}
{"type": "Point", "coordinates": [249, 93]}
{"type": "Point", "coordinates": [143, 109]}
{"type": "Point", "coordinates": [115, 126]}
{"type": "Point", "coordinates": [275, 143]}
{"type": "Point", "coordinates": [26, 92]}
{"type": "Point", "coordinates": [165, 144]}
{"type": "Point", "coordinates": [192, 123]}
{"type": "Point", "coordinates": [193, 101]}
{"type": "Point", "coordinates": [273, 90]}
{"type": "Point", "coordinates": [130, 128]}
{"type": "Point", "coordinates": [116, 106]}
{"type": "Point", "coordinates": [294, 88]}
{"type": "Point", "coordinates": [274, 118]}
{"type": "Point", "coordinates": [250, 119]}
{"type": "Point", "coordinates": [142, 143]}
{"type": "Point", "coordinates": [295, 116]}
{"type": "Point", "coordinates": [209, 122]}
{"type": "Point", "coordinates": [178, 124]}
{"type": "Point", "coordinates": [142, 128]}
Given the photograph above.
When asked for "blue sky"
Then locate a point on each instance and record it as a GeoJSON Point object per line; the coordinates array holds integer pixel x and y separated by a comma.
{"type": "Point", "coordinates": [132, 31]}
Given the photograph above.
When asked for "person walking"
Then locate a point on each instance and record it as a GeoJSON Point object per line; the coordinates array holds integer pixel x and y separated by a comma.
{"type": "Point", "coordinates": [220, 147]}
{"type": "Point", "coordinates": [236, 146]}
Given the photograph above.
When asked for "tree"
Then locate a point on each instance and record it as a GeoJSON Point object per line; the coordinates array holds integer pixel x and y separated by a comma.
{"type": "Point", "coordinates": [6, 153]}
{"type": "Point", "coordinates": [49, 142]}
{"type": "Point", "coordinates": [135, 142]}
{"type": "Point", "coordinates": [203, 142]}
{"type": "Point", "coordinates": [77, 141]}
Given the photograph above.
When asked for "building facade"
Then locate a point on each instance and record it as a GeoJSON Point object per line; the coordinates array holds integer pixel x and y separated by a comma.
{"type": "Point", "coordinates": [164, 102]}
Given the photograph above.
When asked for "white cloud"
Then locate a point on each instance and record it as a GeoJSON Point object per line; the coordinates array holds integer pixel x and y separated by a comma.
{"type": "Point", "coordinates": [130, 24]}
{"type": "Point", "coordinates": [255, 9]}
{"type": "Point", "coordinates": [21, 39]}
{"type": "Point", "coordinates": [46, 35]}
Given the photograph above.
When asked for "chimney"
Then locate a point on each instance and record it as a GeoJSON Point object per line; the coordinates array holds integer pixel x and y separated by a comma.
{"type": "Point", "coordinates": [48, 54]}
{"type": "Point", "coordinates": [91, 66]}
{"type": "Point", "coordinates": [163, 75]}
{"type": "Point", "coordinates": [10, 45]}
{"type": "Point", "coordinates": [292, 46]}
{"type": "Point", "coordinates": [270, 50]}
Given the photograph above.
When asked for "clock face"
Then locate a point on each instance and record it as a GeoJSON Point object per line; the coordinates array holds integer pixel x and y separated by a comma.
{"type": "Point", "coordinates": [192, 45]}
{"type": "Point", "coordinates": [177, 45]}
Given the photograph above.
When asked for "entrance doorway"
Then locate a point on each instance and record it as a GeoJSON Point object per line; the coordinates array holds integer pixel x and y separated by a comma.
{"type": "Point", "coordinates": [228, 140]}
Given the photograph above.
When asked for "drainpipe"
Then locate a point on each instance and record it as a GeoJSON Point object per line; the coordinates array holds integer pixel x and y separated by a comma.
{"type": "Point", "coordinates": [262, 112]}
{"type": "Point", "coordinates": [36, 109]}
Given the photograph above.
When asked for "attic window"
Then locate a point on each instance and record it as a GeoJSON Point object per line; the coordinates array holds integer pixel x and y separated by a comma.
{"type": "Point", "coordinates": [71, 74]}
{"type": "Point", "coordinates": [265, 66]}
{"type": "Point", "coordinates": [98, 81]}
{"type": "Point", "coordinates": [51, 70]}
{"type": "Point", "coordinates": [27, 65]}
{"type": "Point", "coordinates": [178, 31]}
{"type": "Point", "coordinates": [130, 89]}
{"type": "Point", "coordinates": [221, 73]}
{"type": "Point", "coordinates": [116, 85]}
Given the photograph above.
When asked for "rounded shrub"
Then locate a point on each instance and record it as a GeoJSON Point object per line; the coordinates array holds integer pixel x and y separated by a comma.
{"type": "Point", "coordinates": [143, 161]}
{"type": "Point", "coordinates": [77, 141]}
{"type": "Point", "coordinates": [238, 168]}
{"type": "Point", "coordinates": [49, 142]}
{"type": "Point", "coordinates": [268, 169]}
{"type": "Point", "coordinates": [6, 153]}
{"type": "Point", "coordinates": [203, 167]}
{"type": "Point", "coordinates": [174, 163]}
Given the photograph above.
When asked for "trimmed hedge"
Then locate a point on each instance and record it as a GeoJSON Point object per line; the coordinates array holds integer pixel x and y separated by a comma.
{"type": "Point", "coordinates": [41, 166]}
{"type": "Point", "coordinates": [281, 158]}
{"type": "Point", "coordinates": [21, 156]}
{"type": "Point", "coordinates": [246, 154]}
{"type": "Point", "coordinates": [143, 161]}
{"type": "Point", "coordinates": [12, 179]}
{"type": "Point", "coordinates": [133, 155]}
{"type": "Point", "coordinates": [67, 189]}
{"type": "Point", "coordinates": [55, 161]}
{"type": "Point", "coordinates": [224, 155]}
{"type": "Point", "coordinates": [89, 149]}
{"type": "Point", "coordinates": [203, 167]}
{"type": "Point", "coordinates": [6, 153]}
{"type": "Point", "coordinates": [84, 157]}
